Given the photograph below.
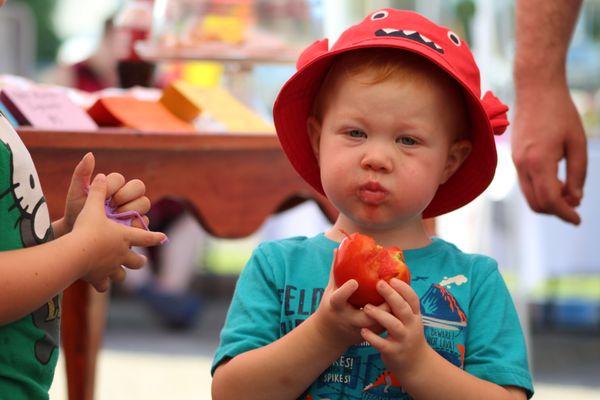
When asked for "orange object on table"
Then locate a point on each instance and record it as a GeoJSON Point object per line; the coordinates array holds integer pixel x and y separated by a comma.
{"type": "Point", "coordinates": [144, 115]}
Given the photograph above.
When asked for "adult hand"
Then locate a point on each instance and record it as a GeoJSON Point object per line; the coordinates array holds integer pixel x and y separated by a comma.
{"type": "Point", "coordinates": [547, 128]}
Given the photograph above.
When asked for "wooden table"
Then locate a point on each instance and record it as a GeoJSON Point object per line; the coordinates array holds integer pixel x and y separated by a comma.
{"type": "Point", "coordinates": [231, 182]}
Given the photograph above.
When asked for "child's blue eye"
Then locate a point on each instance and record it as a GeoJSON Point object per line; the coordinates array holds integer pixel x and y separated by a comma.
{"type": "Point", "coordinates": [356, 133]}
{"type": "Point", "coordinates": [406, 141]}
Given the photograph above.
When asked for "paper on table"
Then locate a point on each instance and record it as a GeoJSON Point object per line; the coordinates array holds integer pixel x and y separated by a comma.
{"type": "Point", "coordinates": [220, 105]}
{"type": "Point", "coordinates": [145, 115]}
{"type": "Point", "coordinates": [45, 108]}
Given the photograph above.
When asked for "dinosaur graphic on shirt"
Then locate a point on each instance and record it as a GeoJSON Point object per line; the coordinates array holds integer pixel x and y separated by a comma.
{"type": "Point", "coordinates": [385, 379]}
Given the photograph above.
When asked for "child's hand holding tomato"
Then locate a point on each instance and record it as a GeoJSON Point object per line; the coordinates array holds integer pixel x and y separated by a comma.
{"type": "Point", "coordinates": [405, 349]}
{"type": "Point", "coordinates": [336, 318]}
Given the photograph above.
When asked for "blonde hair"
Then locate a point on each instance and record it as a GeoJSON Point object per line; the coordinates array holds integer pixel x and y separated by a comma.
{"type": "Point", "coordinates": [382, 64]}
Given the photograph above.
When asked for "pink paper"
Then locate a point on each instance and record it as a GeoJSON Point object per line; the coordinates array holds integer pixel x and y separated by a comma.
{"type": "Point", "coordinates": [46, 109]}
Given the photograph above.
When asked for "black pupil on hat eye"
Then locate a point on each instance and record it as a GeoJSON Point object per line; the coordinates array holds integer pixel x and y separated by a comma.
{"type": "Point", "coordinates": [379, 15]}
{"type": "Point", "coordinates": [454, 38]}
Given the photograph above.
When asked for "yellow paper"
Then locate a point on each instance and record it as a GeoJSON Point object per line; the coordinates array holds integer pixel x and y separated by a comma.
{"type": "Point", "coordinates": [223, 108]}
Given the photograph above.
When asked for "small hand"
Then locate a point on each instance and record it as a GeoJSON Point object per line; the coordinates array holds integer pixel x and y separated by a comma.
{"type": "Point", "coordinates": [126, 196]}
{"type": "Point", "coordinates": [405, 346]}
{"type": "Point", "coordinates": [339, 319]}
{"type": "Point", "coordinates": [106, 244]}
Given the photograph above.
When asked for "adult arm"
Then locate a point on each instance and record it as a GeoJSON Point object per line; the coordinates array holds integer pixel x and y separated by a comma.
{"type": "Point", "coordinates": [547, 127]}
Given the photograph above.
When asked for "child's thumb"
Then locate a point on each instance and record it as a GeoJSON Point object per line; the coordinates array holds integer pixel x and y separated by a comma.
{"type": "Point", "coordinates": [83, 170]}
{"type": "Point", "coordinates": [97, 192]}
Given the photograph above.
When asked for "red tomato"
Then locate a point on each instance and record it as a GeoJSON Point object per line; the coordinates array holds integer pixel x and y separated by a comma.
{"type": "Point", "coordinates": [360, 258]}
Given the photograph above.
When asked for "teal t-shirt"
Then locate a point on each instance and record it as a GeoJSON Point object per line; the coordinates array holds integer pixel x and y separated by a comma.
{"type": "Point", "coordinates": [468, 315]}
{"type": "Point", "coordinates": [29, 346]}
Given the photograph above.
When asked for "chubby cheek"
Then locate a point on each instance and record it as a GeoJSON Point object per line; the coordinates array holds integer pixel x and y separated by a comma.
{"type": "Point", "coordinates": [415, 188]}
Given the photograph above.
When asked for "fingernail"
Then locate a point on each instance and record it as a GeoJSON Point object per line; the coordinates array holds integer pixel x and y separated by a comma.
{"type": "Point", "coordinates": [380, 285]}
{"type": "Point", "coordinates": [368, 307]}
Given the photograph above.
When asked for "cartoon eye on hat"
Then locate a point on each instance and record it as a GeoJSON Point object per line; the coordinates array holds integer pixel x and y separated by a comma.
{"type": "Point", "coordinates": [379, 15]}
{"type": "Point", "coordinates": [454, 38]}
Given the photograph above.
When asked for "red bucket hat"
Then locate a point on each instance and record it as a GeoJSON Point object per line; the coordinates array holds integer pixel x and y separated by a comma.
{"type": "Point", "coordinates": [412, 32]}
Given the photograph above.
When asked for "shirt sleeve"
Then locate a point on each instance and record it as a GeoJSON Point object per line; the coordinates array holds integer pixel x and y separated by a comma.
{"type": "Point", "coordinates": [253, 317]}
{"type": "Point", "coordinates": [495, 347]}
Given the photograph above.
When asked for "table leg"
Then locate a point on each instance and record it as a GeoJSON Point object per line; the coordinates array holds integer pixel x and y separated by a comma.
{"type": "Point", "coordinates": [75, 339]}
{"type": "Point", "coordinates": [83, 323]}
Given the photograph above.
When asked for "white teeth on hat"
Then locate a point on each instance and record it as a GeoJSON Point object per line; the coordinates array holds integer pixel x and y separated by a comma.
{"type": "Point", "coordinates": [425, 38]}
{"type": "Point", "coordinates": [409, 33]}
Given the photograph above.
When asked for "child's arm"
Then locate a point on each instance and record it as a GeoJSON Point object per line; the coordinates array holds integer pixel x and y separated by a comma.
{"type": "Point", "coordinates": [95, 249]}
{"type": "Point", "coordinates": [285, 368]}
{"type": "Point", "coordinates": [421, 370]}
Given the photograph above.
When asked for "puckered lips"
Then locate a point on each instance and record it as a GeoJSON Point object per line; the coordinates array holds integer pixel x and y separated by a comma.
{"type": "Point", "coordinates": [412, 35]}
{"type": "Point", "coordinates": [372, 193]}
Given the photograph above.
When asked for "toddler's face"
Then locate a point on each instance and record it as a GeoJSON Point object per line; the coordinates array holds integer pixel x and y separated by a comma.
{"type": "Point", "coordinates": [384, 149]}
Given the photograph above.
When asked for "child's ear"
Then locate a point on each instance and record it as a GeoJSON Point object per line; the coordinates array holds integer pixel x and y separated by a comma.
{"type": "Point", "coordinates": [457, 154]}
{"type": "Point", "coordinates": [314, 134]}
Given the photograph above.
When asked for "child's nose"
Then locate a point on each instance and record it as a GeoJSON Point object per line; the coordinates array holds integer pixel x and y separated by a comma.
{"type": "Point", "coordinates": [378, 160]}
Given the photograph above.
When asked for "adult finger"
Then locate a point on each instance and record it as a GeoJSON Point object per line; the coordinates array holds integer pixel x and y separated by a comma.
{"type": "Point", "coordinates": [548, 192]}
{"type": "Point", "coordinates": [527, 188]}
{"type": "Point", "coordinates": [131, 190]}
{"type": "Point", "coordinates": [576, 157]}
{"type": "Point", "coordinates": [339, 297]}
{"type": "Point", "coordinates": [114, 182]}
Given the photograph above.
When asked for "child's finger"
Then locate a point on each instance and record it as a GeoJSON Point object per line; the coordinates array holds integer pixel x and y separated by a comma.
{"type": "Point", "coordinates": [83, 172]}
{"type": "Point", "coordinates": [339, 297]}
{"type": "Point", "coordinates": [374, 339]}
{"type": "Point", "coordinates": [140, 204]}
{"type": "Point", "coordinates": [408, 294]}
{"type": "Point", "coordinates": [131, 190]}
{"type": "Point", "coordinates": [393, 325]}
{"type": "Point", "coordinates": [134, 260]}
{"type": "Point", "coordinates": [119, 275]}
{"type": "Point", "coordinates": [398, 305]}
{"type": "Point", "coordinates": [143, 238]}
{"type": "Point", "coordinates": [137, 224]}
{"type": "Point", "coordinates": [97, 192]}
{"type": "Point", "coordinates": [101, 286]}
{"type": "Point", "coordinates": [114, 182]}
